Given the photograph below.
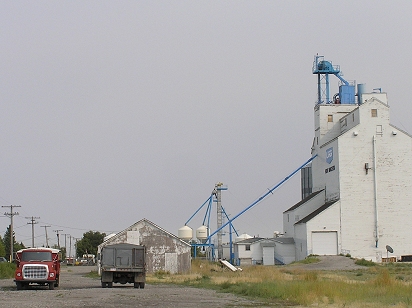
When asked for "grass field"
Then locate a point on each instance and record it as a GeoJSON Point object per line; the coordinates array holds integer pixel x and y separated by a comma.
{"type": "Point", "coordinates": [372, 286]}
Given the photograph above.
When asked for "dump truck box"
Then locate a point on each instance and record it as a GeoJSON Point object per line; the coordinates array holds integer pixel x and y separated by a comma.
{"type": "Point", "coordinates": [123, 263]}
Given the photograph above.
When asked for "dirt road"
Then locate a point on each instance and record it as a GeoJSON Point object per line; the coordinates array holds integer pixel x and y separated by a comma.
{"type": "Point", "coordinates": [78, 291]}
{"type": "Point", "coordinates": [329, 263]}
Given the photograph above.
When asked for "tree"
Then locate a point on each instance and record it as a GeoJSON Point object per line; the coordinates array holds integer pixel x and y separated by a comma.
{"type": "Point", "coordinates": [88, 244]}
{"type": "Point", "coordinates": [2, 248]}
{"type": "Point", "coordinates": [18, 246]}
{"type": "Point", "coordinates": [6, 242]}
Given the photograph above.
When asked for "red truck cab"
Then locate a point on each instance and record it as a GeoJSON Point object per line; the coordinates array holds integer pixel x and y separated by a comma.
{"type": "Point", "coordinates": [40, 266]}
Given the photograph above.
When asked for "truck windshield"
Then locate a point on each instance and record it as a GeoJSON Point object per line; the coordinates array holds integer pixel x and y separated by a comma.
{"type": "Point", "coordinates": [36, 256]}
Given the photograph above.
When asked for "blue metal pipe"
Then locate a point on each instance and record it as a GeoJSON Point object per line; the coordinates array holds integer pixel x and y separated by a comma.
{"type": "Point", "coordinates": [209, 207]}
{"type": "Point", "coordinates": [262, 197]}
{"type": "Point", "coordinates": [224, 212]}
{"type": "Point", "coordinates": [230, 236]}
{"type": "Point", "coordinates": [198, 210]}
{"type": "Point", "coordinates": [327, 88]}
{"type": "Point", "coordinates": [230, 243]}
{"type": "Point", "coordinates": [341, 79]}
{"type": "Point", "coordinates": [207, 214]}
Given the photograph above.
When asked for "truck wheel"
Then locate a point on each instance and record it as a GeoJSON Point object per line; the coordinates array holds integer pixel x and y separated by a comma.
{"type": "Point", "coordinates": [19, 285]}
{"type": "Point", "coordinates": [51, 286]}
{"type": "Point", "coordinates": [136, 285]}
{"type": "Point", "coordinates": [110, 284]}
{"type": "Point", "coordinates": [104, 285]}
{"type": "Point", "coordinates": [56, 284]}
{"type": "Point", "coordinates": [142, 285]}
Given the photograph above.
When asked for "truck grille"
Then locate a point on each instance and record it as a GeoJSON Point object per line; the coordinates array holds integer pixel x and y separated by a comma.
{"type": "Point", "coordinates": [35, 272]}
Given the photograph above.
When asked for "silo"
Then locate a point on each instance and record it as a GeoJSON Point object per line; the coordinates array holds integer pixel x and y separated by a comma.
{"type": "Point", "coordinates": [361, 90]}
{"type": "Point", "coordinates": [202, 233]}
{"type": "Point", "coordinates": [185, 233]}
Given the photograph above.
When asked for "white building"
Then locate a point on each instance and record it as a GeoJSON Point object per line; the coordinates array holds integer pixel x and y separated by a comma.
{"type": "Point", "coordinates": [164, 251]}
{"type": "Point", "coordinates": [247, 252]}
{"type": "Point", "coordinates": [361, 184]}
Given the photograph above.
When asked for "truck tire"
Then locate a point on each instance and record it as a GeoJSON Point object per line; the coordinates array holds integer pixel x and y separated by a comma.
{"type": "Point", "coordinates": [104, 284]}
{"type": "Point", "coordinates": [56, 284]}
{"type": "Point", "coordinates": [142, 285]}
{"type": "Point", "coordinates": [19, 285]}
{"type": "Point", "coordinates": [110, 284]}
{"type": "Point", "coordinates": [136, 285]}
{"type": "Point", "coordinates": [51, 286]}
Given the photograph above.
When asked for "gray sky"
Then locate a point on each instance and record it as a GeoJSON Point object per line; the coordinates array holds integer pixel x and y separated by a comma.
{"type": "Point", "coordinates": [114, 111]}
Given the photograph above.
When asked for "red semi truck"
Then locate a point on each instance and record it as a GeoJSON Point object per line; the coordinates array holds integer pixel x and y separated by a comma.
{"type": "Point", "coordinates": [40, 266]}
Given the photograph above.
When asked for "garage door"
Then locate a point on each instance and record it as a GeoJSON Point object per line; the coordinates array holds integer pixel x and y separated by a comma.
{"type": "Point", "coordinates": [325, 243]}
{"type": "Point", "coordinates": [269, 255]}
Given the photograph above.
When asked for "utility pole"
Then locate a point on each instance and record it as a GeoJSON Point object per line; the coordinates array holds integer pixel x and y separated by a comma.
{"type": "Point", "coordinates": [76, 239]}
{"type": "Point", "coordinates": [47, 239]}
{"type": "Point", "coordinates": [58, 237]}
{"type": "Point", "coordinates": [11, 214]}
{"type": "Point", "coordinates": [65, 245]}
{"type": "Point", "coordinates": [32, 223]}
{"type": "Point", "coordinates": [70, 249]}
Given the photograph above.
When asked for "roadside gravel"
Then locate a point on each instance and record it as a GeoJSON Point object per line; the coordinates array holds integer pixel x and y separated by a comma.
{"type": "Point", "coordinates": [75, 290]}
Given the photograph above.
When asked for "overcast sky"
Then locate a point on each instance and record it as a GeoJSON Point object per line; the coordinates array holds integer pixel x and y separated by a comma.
{"type": "Point", "coordinates": [114, 111]}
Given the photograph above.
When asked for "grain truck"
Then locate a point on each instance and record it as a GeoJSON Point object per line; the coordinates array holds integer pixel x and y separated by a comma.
{"type": "Point", "coordinates": [123, 263]}
{"type": "Point", "coordinates": [39, 266]}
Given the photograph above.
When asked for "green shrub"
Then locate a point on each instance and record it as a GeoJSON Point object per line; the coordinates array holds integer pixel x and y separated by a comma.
{"type": "Point", "coordinates": [161, 274]}
{"type": "Point", "coordinates": [364, 262]}
{"type": "Point", "coordinates": [7, 270]}
{"type": "Point", "coordinates": [225, 285]}
{"type": "Point", "coordinates": [310, 259]}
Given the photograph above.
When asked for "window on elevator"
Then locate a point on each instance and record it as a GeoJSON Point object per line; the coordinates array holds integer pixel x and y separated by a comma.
{"type": "Point", "coordinates": [374, 113]}
{"type": "Point", "coordinates": [330, 117]}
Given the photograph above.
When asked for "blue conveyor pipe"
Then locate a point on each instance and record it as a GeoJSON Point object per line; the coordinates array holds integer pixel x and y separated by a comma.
{"type": "Point", "coordinates": [262, 197]}
{"type": "Point", "coordinates": [208, 199]}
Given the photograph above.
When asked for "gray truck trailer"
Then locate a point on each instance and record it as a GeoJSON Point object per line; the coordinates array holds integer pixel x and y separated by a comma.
{"type": "Point", "coordinates": [123, 263]}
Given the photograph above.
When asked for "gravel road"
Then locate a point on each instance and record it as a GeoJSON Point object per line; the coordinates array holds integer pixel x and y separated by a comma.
{"type": "Point", "coordinates": [329, 263]}
{"type": "Point", "coordinates": [75, 290]}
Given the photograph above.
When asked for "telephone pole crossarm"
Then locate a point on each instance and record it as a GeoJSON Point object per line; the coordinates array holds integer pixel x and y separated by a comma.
{"type": "Point", "coordinates": [11, 214]}
{"type": "Point", "coordinates": [32, 223]}
{"type": "Point", "coordinates": [58, 237]}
